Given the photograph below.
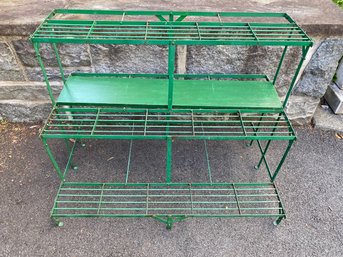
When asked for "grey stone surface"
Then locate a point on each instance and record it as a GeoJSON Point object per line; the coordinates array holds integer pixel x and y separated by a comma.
{"type": "Point", "coordinates": [181, 59]}
{"type": "Point", "coordinates": [339, 75]}
{"type": "Point", "coordinates": [325, 119]}
{"type": "Point", "coordinates": [35, 73]}
{"type": "Point", "coordinates": [24, 111]}
{"type": "Point", "coordinates": [300, 109]}
{"type": "Point", "coordinates": [238, 59]}
{"type": "Point", "coordinates": [321, 69]}
{"type": "Point", "coordinates": [130, 58]}
{"type": "Point", "coordinates": [334, 98]}
{"type": "Point", "coordinates": [317, 16]}
{"type": "Point", "coordinates": [29, 91]}
{"type": "Point", "coordinates": [71, 55]}
{"type": "Point", "coordinates": [9, 69]}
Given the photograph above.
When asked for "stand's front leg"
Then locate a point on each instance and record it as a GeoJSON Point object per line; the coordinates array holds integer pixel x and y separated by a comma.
{"type": "Point", "coordinates": [53, 160]}
{"type": "Point", "coordinates": [169, 160]}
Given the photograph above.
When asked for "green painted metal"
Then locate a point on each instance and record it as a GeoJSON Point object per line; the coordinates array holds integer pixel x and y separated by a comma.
{"type": "Point", "coordinates": [168, 107]}
{"type": "Point", "coordinates": [59, 62]}
{"type": "Point", "coordinates": [171, 68]}
{"type": "Point", "coordinates": [106, 123]}
{"type": "Point", "coordinates": [302, 59]}
{"type": "Point", "coordinates": [45, 76]}
{"type": "Point", "coordinates": [52, 158]}
{"type": "Point", "coordinates": [167, 203]}
{"type": "Point", "coordinates": [169, 160]}
{"type": "Point", "coordinates": [85, 90]}
{"type": "Point", "coordinates": [166, 32]}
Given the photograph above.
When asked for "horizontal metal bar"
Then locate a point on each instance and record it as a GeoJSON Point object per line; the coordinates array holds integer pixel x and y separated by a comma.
{"type": "Point", "coordinates": [167, 196]}
{"type": "Point", "coordinates": [163, 209]}
{"type": "Point", "coordinates": [163, 202]}
{"type": "Point", "coordinates": [127, 215]}
{"type": "Point", "coordinates": [148, 137]}
{"type": "Point", "coordinates": [167, 42]}
{"type": "Point", "coordinates": [167, 189]}
{"type": "Point", "coordinates": [175, 184]}
{"type": "Point", "coordinates": [153, 13]}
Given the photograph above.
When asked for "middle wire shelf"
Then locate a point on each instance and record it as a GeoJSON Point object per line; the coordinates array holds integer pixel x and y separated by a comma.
{"type": "Point", "coordinates": [114, 123]}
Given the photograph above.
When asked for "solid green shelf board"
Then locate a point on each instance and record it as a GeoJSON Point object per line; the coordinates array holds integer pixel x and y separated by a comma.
{"type": "Point", "coordinates": [80, 90]}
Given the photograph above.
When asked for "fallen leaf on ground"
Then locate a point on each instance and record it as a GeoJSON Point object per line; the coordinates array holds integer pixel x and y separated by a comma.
{"type": "Point", "coordinates": [110, 158]}
{"type": "Point", "coordinates": [339, 135]}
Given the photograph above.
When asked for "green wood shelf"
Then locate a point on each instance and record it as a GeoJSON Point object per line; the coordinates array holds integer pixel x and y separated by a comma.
{"type": "Point", "coordinates": [101, 90]}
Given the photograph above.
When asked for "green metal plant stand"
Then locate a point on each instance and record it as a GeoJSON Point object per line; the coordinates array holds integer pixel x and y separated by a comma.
{"type": "Point", "coordinates": [168, 107]}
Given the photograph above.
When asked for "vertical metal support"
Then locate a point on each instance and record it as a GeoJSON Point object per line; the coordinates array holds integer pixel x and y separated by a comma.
{"type": "Point", "coordinates": [100, 200]}
{"type": "Point", "coordinates": [169, 222]}
{"type": "Point", "coordinates": [282, 160]}
{"type": "Point", "coordinates": [129, 157]}
{"type": "Point", "coordinates": [169, 159]}
{"type": "Point", "coordinates": [171, 68]}
{"type": "Point", "coordinates": [258, 125]}
{"type": "Point", "coordinates": [206, 155]}
{"type": "Point", "coordinates": [171, 17]}
{"type": "Point", "coordinates": [70, 158]}
{"type": "Point", "coordinates": [303, 56]}
{"type": "Point", "coordinates": [280, 64]}
{"type": "Point", "coordinates": [268, 143]}
{"type": "Point", "coordinates": [45, 76]}
{"type": "Point", "coordinates": [52, 158]}
{"type": "Point", "coordinates": [264, 159]}
{"type": "Point", "coordinates": [59, 62]}
{"type": "Point", "coordinates": [281, 60]}
{"type": "Point", "coordinates": [56, 221]}
{"type": "Point", "coordinates": [281, 209]}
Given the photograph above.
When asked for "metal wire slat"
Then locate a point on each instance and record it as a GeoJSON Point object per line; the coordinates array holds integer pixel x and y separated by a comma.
{"type": "Point", "coordinates": [166, 201]}
{"type": "Point", "coordinates": [100, 200]}
{"type": "Point", "coordinates": [236, 197]}
{"type": "Point", "coordinates": [98, 122]}
{"type": "Point", "coordinates": [114, 31]}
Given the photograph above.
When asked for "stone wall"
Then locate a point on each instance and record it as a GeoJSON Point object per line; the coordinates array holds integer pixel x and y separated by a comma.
{"type": "Point", "coordinates": [23, 96]}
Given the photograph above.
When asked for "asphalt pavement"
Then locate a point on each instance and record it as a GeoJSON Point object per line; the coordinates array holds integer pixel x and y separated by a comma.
{"type": "Point", "coordinates": [310, 184]}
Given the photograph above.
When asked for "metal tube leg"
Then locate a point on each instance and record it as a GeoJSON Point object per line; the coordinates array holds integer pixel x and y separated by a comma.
{"type": "Point", "coordinates": [169, 160]}
{"type": "Point", "coordinates": [263, 155]}
{"type": "Point", "coordinates": [57, 222]}
{"type": "Point", "coordinates": [45, 76]}
{"type": "Point", "coordinates": [70, 151]}
{"type": "Point", "coordinates": [282, 160]}
{"type": "Point", "coordinates": [70, 160]}
{"type": "Point", "coordinates": [268, 143]}
{"type": "Point", "coordinates": [278, 220]}
{"type": "Point", "coordinates": [256, 130]}
{"type": "Point", "coordinates": [170, 222]}
{"type": "Point", "coordinates": [52, 158]}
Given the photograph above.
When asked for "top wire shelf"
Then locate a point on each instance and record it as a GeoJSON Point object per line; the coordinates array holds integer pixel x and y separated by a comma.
{"type": "Point", "coordinates": [163, 27]}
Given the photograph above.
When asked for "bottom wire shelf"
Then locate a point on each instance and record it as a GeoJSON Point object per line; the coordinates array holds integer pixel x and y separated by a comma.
{"type": "Point", "coordinates": [175, 200]}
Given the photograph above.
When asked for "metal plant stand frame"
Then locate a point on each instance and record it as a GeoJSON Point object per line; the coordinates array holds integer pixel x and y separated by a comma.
{"type": "Point", "coordinates": [168, 107]}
